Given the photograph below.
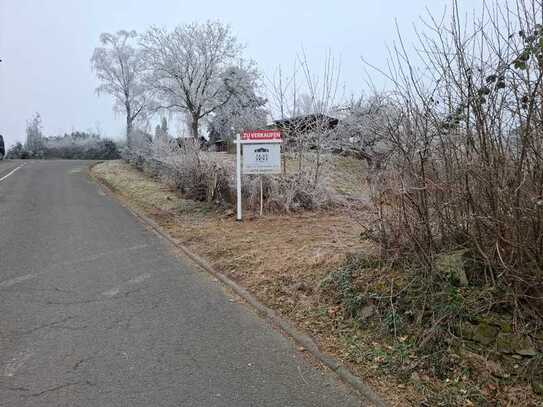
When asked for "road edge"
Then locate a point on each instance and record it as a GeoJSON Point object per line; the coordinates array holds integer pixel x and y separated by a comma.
{"type": "Point", "coordinates": [364, 390]}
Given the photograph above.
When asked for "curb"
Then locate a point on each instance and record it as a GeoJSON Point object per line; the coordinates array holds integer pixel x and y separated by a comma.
{"type": "Point", "coordinates": [302, 339]}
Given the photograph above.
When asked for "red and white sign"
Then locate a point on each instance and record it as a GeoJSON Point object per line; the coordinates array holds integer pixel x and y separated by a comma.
{"type": "Point", "coordinates": [261, 135]}
{"type": "Point", "coordinates": [261, 155]}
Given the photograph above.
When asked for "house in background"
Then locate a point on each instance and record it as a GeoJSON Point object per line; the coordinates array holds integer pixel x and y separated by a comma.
{"type": "Point", "coordinates": [307, 123]}
{"type": "Point", "coordinates": [303, 126]}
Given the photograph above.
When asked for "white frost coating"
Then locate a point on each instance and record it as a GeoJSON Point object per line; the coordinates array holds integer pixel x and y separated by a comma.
{"type": "Point", "coordinates": [16, 363]}
{"type": "Point", "coordinates": [189, 68]}
{"type": "Point", "coordinates": [120, 68]}
{"type": "Point", "coordinates": [136, 280]}
{"type": "Point", "coordinates": [16, 280]}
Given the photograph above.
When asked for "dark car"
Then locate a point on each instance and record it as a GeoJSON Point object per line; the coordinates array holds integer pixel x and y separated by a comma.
{"type": "Point", "coordinates": [2, 148]}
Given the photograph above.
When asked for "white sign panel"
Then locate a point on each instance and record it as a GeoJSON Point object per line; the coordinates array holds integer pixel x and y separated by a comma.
{"type": "Point", "coordinates": [262, 158]}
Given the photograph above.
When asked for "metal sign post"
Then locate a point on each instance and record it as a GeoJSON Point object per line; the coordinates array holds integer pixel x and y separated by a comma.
{"type": "Point", "coordinates": [261, 197]}
{"type": "Point", "coordinates": [238, 177]}
{"type": "Point", "coordinates": [261, 155]}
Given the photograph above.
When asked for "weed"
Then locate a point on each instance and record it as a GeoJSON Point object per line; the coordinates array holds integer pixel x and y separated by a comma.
{"type": "Point", "coordinates": [393, 322]}
{"type": "Point", "coordinates": [342, 284]}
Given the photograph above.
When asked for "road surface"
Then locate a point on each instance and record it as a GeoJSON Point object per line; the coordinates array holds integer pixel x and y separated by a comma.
{"type": "Point", "coordinates": [95, 310]}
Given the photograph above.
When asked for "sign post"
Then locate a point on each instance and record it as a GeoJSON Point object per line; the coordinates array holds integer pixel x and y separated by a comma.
{"type": "Point", "coordinates": [261, 155]}
{"type": "Point", "coordinates": [238, 177]}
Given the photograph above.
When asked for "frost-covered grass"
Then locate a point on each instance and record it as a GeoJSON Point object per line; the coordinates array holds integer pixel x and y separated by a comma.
{"type": "Point", "coordinates": [345, 175]}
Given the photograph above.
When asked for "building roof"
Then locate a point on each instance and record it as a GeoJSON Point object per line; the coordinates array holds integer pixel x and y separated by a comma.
{"type": "Point", "coordinates": [307, 122]}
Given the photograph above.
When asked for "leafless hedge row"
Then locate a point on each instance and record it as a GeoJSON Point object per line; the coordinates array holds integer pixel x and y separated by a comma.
{"type": "Point", "coordinates": [200, 177]}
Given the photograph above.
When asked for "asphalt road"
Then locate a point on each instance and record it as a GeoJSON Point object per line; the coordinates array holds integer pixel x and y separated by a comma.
{"type": "Point", "coordinates": [95, 310]}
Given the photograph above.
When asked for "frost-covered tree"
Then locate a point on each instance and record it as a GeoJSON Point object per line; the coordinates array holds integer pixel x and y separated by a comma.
{"type": "Point", "coordinates": [187, 68]}
{"type": "Point", "coordinates": [161, 130]}
{"type": "Point", "coordinates": [17, 151]}
{"type": "Point", "coordinates": [243, 110]}
{"type": "Point", "coordinates": [83, 145]}
{"type": "Point", "coordinates": [363, 126]}
{"type": "Point", "coordinates": [34, 136]}
{"type": "Point", "coordinates": [119, 68]}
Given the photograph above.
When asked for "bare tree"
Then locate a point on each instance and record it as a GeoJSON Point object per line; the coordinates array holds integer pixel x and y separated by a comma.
{"type": "Point", "coordinates": [119, 68]}
{"type": "Point", "coordinates": [323, 91]}
{"type": "Point", "coordinates": [283, 90]}
{"type": "Point", "coordinates": [187, 67]}
{"type": "Point", "coordinates": [362, 129]}
{"type": "Point", "coordinates": [304, 108]}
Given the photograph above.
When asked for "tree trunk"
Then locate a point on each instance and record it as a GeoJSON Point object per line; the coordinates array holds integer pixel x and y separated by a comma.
{"type": "Point", "coordinates": [194, 127]}
{"type": "Point", "coordinates": [129, 125]}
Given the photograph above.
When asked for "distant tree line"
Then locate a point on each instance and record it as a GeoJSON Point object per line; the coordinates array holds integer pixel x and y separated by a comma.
{"type": "Point", "coordinates": [75, 145]}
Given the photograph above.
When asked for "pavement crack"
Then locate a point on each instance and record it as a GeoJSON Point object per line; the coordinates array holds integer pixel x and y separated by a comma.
{"type": "Point", "coordinates": [72, 328]}
{"type": "Point", "coordinates": [72, 302]}
{"type": "Point", "coordinates": [54, 289]}
{"type": "Point", "coordinates": [82, 361]}
{"type": "Point", "coordinates": [16, 388]}
{"type": "Point", "coordinates": [53, 324]}
{"type": "Point", "coordinates": [60, 387]}
{"type": "Point", "coordinates": [133, 291]}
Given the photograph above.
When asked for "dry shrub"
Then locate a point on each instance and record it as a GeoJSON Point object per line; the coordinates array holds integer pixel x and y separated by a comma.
{"type": "Point", "coordinates": [181, 165]}
{"type": "Point", "coordinates": [192, 173]}
{"type": "Point", "coordinates": [467, 167]}
{"type": "Point", "coordinates": [286, 193]}
{"type": "Point", "coordinates": [203, 177]}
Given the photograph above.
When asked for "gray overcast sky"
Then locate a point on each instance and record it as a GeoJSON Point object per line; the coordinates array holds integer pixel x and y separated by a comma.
{"type": "Point", "coordinates": [46, 46]}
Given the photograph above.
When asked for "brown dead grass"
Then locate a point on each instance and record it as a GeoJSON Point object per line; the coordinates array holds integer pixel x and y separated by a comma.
{"type": "Point", "coordinates": [280, 259]}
